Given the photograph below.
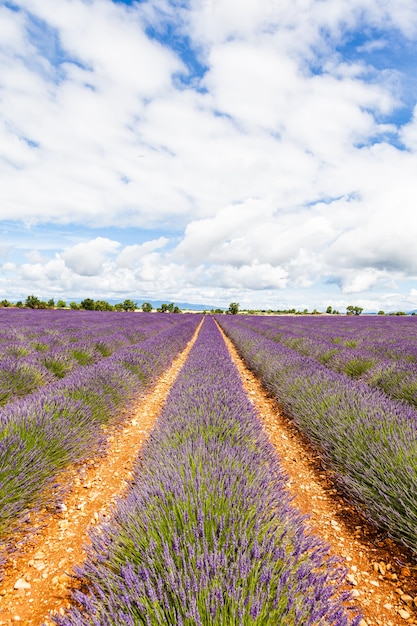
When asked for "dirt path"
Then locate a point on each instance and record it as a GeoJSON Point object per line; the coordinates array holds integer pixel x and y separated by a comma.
{"type": "Point", "coordinates": [381, 572]}
{"type": "Point", "coordinates": [37, 582]}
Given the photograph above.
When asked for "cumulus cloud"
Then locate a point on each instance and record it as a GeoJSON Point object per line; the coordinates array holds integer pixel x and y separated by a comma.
{"type": "Point", "coordinates": [88, 258]}
{"type": "Point", "coordinates": [260, 146]}
{"type": "Point", "coordinates": [131, 256]}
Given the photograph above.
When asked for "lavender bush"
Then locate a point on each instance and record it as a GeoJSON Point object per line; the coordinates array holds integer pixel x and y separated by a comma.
{"type": "Point", "coordinates": [381, 351]}
{"type": "Point", "coordinates": [369, 440]}
{"type": "Point", "coordinates": [207, 535]}
{"type": "Point", "coordinates": [41, 433]}
{"type": "Point", "coordinates": [39, 347]}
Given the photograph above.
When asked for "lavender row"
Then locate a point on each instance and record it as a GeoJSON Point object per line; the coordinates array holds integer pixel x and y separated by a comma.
{"type": "Point", "coordinates": [369, 440]}
{"type": "Point", "coordinates": [207, 535]}
{"type": "Point", "coordinates": [39, 347]}
{"type": "Point", "coordinates": [380, 351]}
{"type": "Point", "coordinates": [41, 434]}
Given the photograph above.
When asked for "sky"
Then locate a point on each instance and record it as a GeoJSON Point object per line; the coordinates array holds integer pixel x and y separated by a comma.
{"type": "Point", "coordinates": [210, 151]}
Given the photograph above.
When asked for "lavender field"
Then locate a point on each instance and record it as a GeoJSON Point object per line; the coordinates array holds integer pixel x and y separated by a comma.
{"type": "Point", "coordinates": [348, 384]}
{"type": "Point", "coordinates": [64, 375]}
{"type": "Point", "coordinates": [381, 351]}
{"type": "Point", "coordinates": [207, 534]}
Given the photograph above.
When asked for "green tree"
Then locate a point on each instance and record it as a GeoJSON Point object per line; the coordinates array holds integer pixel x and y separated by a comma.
{"type": "Point", "coordinates": [329, 310]}
{"type": "Point", "coordinates": [74, 306]}
{"type": "Point", "coordinates": [169, 308]}
{"type": "Point", "coordinates": [102, 305]}
{"type": "Point", "coordinates": [32, 302]}
{"type": "Point", "coordinates": [233, 308]}
{"type": "Point", "coordinates": [353, 310]}
{"type": "Point", "coordinates": [146, 307]}
{"type": "Point", "coordinates": [381, 312]}
{"type": "Point", "coordinates": [51, 303]}
{"type": "Point", "coordinates": [61, 304]}
{"type": "Point", "coordinates": [87, 304]}
{"type": "Point", "coordinates": [129, 305]}
{"type": "Point", "coordinates": [5, 303]}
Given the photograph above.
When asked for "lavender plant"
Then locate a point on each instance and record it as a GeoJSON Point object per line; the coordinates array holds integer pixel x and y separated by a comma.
{"type": "Point", "coordinates": [207, 535]}
{"type": "Point", "coordinates": [369, 440]}
{"type": "Point", "coordinates": [41, 433]}
{"type": "Point", "coordinates": [381, 351]}
{"type": "Point", "coordinates": [39, 347]}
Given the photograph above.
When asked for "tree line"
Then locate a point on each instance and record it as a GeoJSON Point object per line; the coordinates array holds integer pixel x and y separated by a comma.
{"type": "Point", "coordinates": [88, 304]}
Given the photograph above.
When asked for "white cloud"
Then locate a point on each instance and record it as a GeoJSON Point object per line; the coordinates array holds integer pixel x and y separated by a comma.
{"type": "Point", "coordinates": [88, 258]}
{"type": "Point", "coordinates": [133, 255]}
{"type": "Point", "coordinates": [256, 276]}
{"type": "Point", "coordinates": [362, 280]}
{"type": "Point", "coordinates": [276, 170]}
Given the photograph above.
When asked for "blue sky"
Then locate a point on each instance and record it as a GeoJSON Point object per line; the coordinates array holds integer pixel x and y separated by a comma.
{"type": "Point", "coordinates": [210, 151]}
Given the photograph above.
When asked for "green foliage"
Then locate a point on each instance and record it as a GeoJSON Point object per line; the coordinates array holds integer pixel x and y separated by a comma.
{"type": "Point", "coordinates": [356, 367]}
{"type": "Point", "coordinates": [32, 302]}
{"type": "Point", "coordinates": [103, 305]}
{"type": "Point", "coordinates": [61, 304]}
{"type": "Point", "coordinates": [326, 356]}
{"type": "Point", "coordinates": [353, 310]}
{"type": "Point", "coordinates": [104, 349]}
{"type": "Point", "coordinates": [59, 368]}
{"type": "Point", "coordinates": [129, 305]}
{"type": "Point", "coordinates": [233, 308]}
{"type": "Point", "coordinates": [169, 308]}
{"type": "Point", "coordinates": [83, 357]}
{"type": "Point", "coordinates": [19, 382]}
{"type": "Point", "coordinates": [40, 347]}
{"type": "Point", "coordinates": [74, 306]}
{"type": "Point", "coordinates": [147, 307]}
{"type": "Point", "coordinates": [87, 304]}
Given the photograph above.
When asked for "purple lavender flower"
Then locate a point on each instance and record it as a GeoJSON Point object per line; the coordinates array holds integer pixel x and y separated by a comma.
{"type": "Point", "coordinates": [207, 527]}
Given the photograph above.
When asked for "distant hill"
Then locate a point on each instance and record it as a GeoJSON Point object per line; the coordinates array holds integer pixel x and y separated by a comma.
{"type": "Point", "coordinates": [191, 306]}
